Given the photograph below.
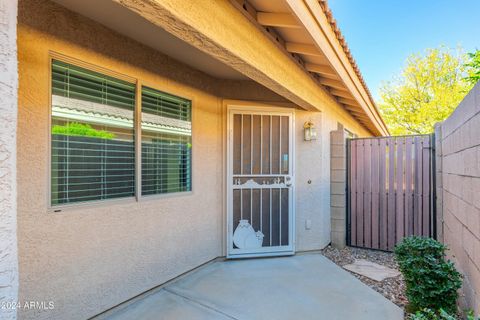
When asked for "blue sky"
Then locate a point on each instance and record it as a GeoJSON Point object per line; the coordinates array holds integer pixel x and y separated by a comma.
{"type": "Point", "coordinates": [381, 34]}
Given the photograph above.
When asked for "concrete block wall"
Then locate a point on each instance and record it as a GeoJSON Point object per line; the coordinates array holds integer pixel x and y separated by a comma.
{"type": "Point", "coordinates": [338, 180]}
{"type": "Point", "coordinates": [8, 192]}
{"type": "Point", "coordinates": [458, 193]}
{"type": "Point", "coordinates": [438, 182]}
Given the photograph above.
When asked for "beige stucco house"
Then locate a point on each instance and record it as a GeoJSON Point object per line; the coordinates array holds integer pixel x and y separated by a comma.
{"type": "Point", "coordinates": [142, 132]}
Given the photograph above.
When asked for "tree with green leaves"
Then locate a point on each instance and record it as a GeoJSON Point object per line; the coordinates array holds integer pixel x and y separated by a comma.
{"type": "Point", "coordinates": [429, 88]}
{"type": "Point", "coordinates": [473, 67]}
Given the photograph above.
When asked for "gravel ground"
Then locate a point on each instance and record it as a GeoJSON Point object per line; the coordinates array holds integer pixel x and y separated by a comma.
{"type": "Point", "coordinates": [391, 288]}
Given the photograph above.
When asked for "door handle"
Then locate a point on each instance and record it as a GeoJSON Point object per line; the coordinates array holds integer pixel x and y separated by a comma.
{"type": "Point", "coordinates": [288, 181]}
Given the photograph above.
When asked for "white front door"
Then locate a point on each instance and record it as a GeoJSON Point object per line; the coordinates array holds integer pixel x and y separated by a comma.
{"type": "Point", "coordinates": [260, 182]}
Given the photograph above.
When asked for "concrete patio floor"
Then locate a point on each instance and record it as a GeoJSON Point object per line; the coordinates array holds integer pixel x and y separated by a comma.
{"type": "Point", "coordinates": [305, 286]}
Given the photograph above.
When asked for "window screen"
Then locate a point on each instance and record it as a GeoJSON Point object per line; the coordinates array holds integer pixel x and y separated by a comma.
{"type": "Point", "coordinates": [93, 150]}
{"type": "Point", "coordinates": [166, 143]}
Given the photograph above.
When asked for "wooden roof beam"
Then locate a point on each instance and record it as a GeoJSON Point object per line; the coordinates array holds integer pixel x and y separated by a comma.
{"type": "Point", "coordinates": [354, 109]}
{"type": "Point", "coordinates": [359, 114]}
{"type": "Point", "coordinates": [321, 69]}
{"type": "Point", "coordinates": [282, 20]}
{"type": "Point", "coordinates": [349, 102]}
{"type": "Point", "coordinates": [332, 83]}
{"type": "Point", "coordinates": [341, 93]}
{"type": "Point", "coordinates": [362, 118]}
{"type": "Point", "coordinates": [301, 48]}
{"type": "Point", "coordinates": [331, 76]}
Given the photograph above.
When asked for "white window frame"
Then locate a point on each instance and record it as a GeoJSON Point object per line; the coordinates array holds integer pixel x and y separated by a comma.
{"type": "Point", "coordinates": [137, 197]}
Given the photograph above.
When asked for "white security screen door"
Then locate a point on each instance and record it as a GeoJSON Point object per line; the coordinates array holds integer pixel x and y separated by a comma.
{"type": "Point", "coordinates": [260, 182]}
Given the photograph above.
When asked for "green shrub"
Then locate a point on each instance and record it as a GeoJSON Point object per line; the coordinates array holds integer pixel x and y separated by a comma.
{"type": "Point", "coordinates": [80, 129]}
{"type": "Point", "coordinates": [471, 315]}
{"type": "Point", "coordinates": [432, 281]}
{"type": "Point", "coordinates": [429, 314]}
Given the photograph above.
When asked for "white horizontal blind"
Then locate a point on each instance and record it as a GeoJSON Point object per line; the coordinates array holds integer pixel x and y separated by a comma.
{"type": "Point", "coordinates": [166, 143]}
{"type": "Point", "coordinates": [92, 156]}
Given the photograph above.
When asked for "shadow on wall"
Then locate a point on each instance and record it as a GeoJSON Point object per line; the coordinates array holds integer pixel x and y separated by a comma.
{"type": "Point", "coordinates": [165, 66]}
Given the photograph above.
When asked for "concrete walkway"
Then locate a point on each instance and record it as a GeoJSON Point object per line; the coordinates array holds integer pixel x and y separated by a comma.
{"type": "Point", "coordinates": [301, 287]}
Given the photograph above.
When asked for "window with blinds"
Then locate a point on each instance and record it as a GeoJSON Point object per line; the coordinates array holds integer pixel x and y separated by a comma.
{"type": "Point", "coordinates": [92, 138]}
{"type": "Point", "coordinates": [166, 143]}
{"type": "Point", "coordinates": [93, 141]}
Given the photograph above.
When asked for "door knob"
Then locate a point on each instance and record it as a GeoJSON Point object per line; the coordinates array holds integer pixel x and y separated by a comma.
{"type": "Point", "coordinates": [288, 181]}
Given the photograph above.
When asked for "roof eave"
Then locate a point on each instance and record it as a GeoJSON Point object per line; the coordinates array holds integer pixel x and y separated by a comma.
{"type": "Point", "coordinates": [317, 20]}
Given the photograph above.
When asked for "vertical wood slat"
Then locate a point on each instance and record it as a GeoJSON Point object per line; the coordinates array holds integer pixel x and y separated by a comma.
{"type": "Point", "coordinates": [426, 187]}
{"type": "Point", "coordinates": [399, 199]}
{"type": "Point", "coordinates": [367, 199]}
{"type": "Point", "coordinates": [353, 192]}
{"type": "Point", "coordinates": [417, 218]}
{"type": "Point", "coordinates": [391, 223]}
{"type": "Point", "coordinates": [408, 186]}
{"type": "Point", "coordinates": [375, 195]}
{"type": "Point", "coordinates": [383, 194]}
{"type": "Point", "coordinates": [360, 191]}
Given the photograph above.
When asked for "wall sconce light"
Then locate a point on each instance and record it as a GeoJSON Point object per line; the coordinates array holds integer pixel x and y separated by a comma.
{"type": "Point", "coordinates": [309, 131]}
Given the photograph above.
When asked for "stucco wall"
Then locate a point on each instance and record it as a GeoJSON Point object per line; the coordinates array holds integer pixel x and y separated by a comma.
{"type": "Point", "coordinates": [8, 192]}
{"type": "Point", "coordinates": [460, 173]}
{"type": "Point", "coordinates": [90, 258]}
{"type": "Point", "coordinates": [313, 164]}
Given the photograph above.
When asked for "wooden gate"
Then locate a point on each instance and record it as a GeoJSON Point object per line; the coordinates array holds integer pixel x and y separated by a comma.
{"type": "Point", "coordinates": [390, 190]}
